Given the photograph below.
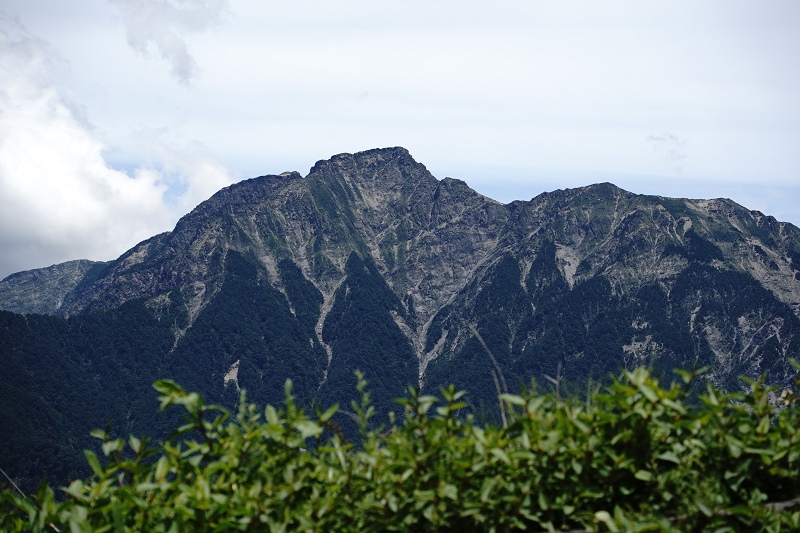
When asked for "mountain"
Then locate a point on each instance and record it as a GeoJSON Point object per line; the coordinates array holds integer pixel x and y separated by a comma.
{"type": "Point", "coordinates": [371, 263]}
{"type": "Point", "coordinates": [43, 290]}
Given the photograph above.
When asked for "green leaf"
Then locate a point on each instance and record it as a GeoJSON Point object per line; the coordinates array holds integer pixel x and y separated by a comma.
{"type": "Point", "coordinates": [449, 491]}
{"type": "Point", "coordinates": [308, 428]}
{"type": "Point", "coordinates": [99, 434]}
{"type": "Point", "coordinates": [763, 426]}
{"type": "Point", "coordinates": [324, 417]}
{"type": "Point", "coordinates": [534, 404]}
{"type": "Point", "coordinates": [544, 505]}
{"type": "Point", "coordinates": [669, 456]}
{"type": "Point", "coordinates": [734, 450]}
{"type": "Point", "coordinates": [119, 519]}
{"type": "Point", "coordinates": [703, 508]}
{"type": "Point", "coordinates": [167, 386]}
{"type": "Point", "coordinates": [500, 454]}
{"type": "Point", "coordinates": [112, 446]}
{"type": "Point", "coordinates": [169, 390]}
{"type": "Point", "coordinates": [192, 402]}
{"type": "Point", "coordinates": [487, 487]}
{"type": "Point", "coordinates": [162, 469]}
{"type": "Point", "coordinates": [77, 520]}
{"type": "Point", "coordinates": [272, 415]}
{"type": "Point", "coordinates": [648, 393]}
{"type": "Point", "coordinates": [672, 404]}
{"type": "Point", "coordinates": [94, 463]}
{"type": "Point", "coordinates": [605, 518]}
{"type": "Point", "coordinates": [513, 399]}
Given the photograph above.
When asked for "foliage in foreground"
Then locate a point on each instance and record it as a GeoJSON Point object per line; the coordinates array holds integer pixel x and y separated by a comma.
{"type": "Point", "coordinates": [637, 457]}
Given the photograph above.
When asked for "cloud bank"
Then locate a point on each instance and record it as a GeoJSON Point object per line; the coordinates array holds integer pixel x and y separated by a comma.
{"type": "Point", "coordinates": [61, 200]}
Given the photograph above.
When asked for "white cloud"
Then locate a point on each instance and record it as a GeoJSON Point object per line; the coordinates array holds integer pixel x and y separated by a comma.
{"type": "Point", "coordinates": [164, 24]}
{"type": "Point", "coordinates": [672, 147]}
{"type": "Point", "coordinates": [192, 172]}
{"type": "Point", "coordinates": [60, 198]}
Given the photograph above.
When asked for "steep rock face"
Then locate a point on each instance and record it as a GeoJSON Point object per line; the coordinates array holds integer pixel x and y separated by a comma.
{"type": "Point", "coordinates": [371, 263]}
{"type": "Point", "coordinates": [45, 290]}
{"type": "Point", "coordinates": [426, 236]}
{"type": "Point", "coordinates": [591, 279]}
{"type": "Point", "coordinates": [585, 280]}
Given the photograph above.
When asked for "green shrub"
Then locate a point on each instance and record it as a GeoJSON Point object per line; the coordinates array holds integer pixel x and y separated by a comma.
{"type": "Point", "coordinates": [637, 457]}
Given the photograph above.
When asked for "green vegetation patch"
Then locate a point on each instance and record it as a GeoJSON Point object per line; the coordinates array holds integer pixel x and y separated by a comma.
{"type": "Point", "coordinates": [636, 457]}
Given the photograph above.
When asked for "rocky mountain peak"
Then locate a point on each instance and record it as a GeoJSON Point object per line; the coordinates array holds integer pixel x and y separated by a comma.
{"type": "Point", "coordinates": [371, 263]}
{"type": "Point", "coordinates": [439, 246]}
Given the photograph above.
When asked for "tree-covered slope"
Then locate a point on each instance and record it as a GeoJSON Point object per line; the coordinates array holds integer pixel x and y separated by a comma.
{"type": "Point", "coordinates": [370, 262]}
{"type": "Point", "coordinates": [60, 378]}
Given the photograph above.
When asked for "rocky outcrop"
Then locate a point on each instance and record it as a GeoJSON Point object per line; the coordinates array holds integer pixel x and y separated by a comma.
{"type": "Point", "coordinates": [446, 251]}
{"type": "Point", "coordinates": [46, 290]}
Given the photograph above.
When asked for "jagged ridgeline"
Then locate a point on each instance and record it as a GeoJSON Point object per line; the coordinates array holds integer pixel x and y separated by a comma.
{"type": "Point", "coordinates": [371, 263]}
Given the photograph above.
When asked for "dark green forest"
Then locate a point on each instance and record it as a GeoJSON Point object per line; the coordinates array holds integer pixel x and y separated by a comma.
{"type": "Point", "coordinates": [61, 378]}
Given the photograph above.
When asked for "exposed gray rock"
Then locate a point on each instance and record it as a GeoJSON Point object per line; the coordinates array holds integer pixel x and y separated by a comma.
{"type": "Point", "coordinates": [436, 244]}
{"type": "Point", "coordinates": [45, 290]}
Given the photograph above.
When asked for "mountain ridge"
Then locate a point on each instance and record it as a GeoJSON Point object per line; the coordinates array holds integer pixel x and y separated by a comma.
{"type": "Point", "coordinates": [429, 239]}
{"type": "Point", "coordinates": [370, 263]}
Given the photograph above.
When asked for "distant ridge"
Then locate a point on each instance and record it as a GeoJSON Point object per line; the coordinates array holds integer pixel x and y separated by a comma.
{"type": "Point", "coordinates": [43, 290]}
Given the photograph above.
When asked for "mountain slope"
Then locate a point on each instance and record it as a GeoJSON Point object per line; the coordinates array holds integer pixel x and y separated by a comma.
{"type": "Point", "coordinates": [431, 240]}
{"type": "Point", "coordinates": [44, 290]}
{"type": "Point", "coordinates": [371, 263]}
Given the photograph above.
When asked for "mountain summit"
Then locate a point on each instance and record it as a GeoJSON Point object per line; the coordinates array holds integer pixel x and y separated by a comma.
{"type": "Point", "coordinates": [439, 247]}
{"type": "Point", "coordinates": [371, 263]}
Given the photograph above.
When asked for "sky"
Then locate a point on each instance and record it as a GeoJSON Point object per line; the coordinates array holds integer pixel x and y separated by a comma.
{"type": "Point", "coordinates": [117, 117]}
